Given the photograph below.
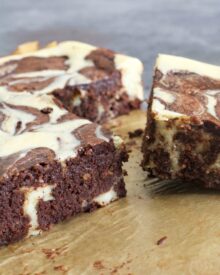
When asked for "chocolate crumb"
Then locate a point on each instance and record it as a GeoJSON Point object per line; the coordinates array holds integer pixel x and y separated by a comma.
{"type": "Point", "coordinates": [161, 240]}
{"type": "Point", "coordinates": [54, 252]}
{"type": "Point", "coordinates": [60, 268]}
{"type": "Point", "coordinates": [135, 133]}
{"type": "Point", "coordinates": [98, 265]}
{"type": "Point", "coordinates": [50, 253]}
{"type": "Point", "coordinates": [46, 110]}
{"type": "Point", "coordinates": [121, 266]}
{"type": "Point", "coordinates": [125, 173]}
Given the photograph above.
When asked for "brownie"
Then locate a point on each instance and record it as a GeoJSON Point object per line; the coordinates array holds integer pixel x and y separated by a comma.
{"type": "Point", "coordinates": [182, 135]}
{"type": "Point", "coordinates": [53, 164]}
{"type": "Point", "coordinates": [94, 83]}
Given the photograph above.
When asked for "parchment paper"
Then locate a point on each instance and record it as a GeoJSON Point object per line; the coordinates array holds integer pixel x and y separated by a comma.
{"type": "Point", "coordinates": [160, 228]}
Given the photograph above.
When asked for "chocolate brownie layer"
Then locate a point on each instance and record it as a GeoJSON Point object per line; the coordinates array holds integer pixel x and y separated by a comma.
{"type": "Point", "coordinates": [183, 130]}
{"type": "Point", "coordinates": [47, 191]}
{"type": "Point", "coordinates": [53, 164]}
{"type": "Point", "coordinates": [94, 83]}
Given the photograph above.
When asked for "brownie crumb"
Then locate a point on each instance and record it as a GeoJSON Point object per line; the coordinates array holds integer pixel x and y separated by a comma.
{"type": "Point", "coordinates": [161, 240]}
{"type": "Point", "coordinates": [60, 268]}
{"type": "Point", "coordinates": [121, 266]}
{"type": "Point", "coordinates": [53, 253]}
{"type": "Point", "coordinates": [98, 265]}
{"type": "Point", "coordinates": [115, 270]}
{"type": "Point", "coordinates": [125, 173]}
{"type": "Point", "coordinates": [135, 133]}
{"type": "Point", "coordinates": [50, 253]}
{"type": "Point", "coordinates": [46, 110]}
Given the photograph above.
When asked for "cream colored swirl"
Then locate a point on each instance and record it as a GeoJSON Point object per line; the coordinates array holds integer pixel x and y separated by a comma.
{"type": "Point", "coordinates": [131, 68]}
{"type": "Point", "coordinates": [51, 130]}
{"type": "Point", "coordinates": [184, 87]}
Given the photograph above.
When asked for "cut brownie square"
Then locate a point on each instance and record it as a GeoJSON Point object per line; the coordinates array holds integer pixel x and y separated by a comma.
{"type": "Point", "coordinates": [182, 137]}
{"type": "Point", "coordinates": [94, 83]}
{"type": "Point", "coordinates": [53, 164]}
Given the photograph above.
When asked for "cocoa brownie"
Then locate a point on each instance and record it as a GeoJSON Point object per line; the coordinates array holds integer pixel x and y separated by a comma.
{"type": "Point", "coordinates": [182, 137]}
{"type": "Point", "coordinates": [53, 164]}
{"type": "Point", "coordinates": [94, 83]}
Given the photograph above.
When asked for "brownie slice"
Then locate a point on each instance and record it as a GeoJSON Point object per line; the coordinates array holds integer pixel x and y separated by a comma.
{"type": "Point", "coordinates": [94, 83]}
{"type": "Point", "coordinates": [53, 164]}
{"type": "Point", "coordinates": [182, 136]}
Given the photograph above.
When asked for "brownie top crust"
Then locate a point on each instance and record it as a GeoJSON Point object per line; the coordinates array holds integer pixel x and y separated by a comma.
{"type": "Point", "coordinates": [35, 128]}
{"type": "Point", "coordinates": [187, 89]}
{"type": "Point", "coordinates": [67, 65]}
{"type": "Point", "coordinates": [34, 125]}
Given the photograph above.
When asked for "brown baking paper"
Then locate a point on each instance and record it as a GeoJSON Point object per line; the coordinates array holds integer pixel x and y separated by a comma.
{"type": "Point", "coordinates": [160, 228]}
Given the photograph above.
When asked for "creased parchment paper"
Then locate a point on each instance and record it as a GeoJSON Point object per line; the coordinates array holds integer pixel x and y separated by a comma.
{"type": "Point", "coordinates": [160, 228]}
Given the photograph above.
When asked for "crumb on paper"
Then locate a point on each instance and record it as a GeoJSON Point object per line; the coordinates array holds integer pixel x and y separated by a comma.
{"type": "Point", "coordinates": [51, 253]}
{"type": "Point", "coordinates": [60, 268]}
{"type": "Point", "coordinates": [125, 173]}
{"type": "Point", "coordinates": [136, 133]}
{"type": "Point", "coordinates": [161, 240]}
{"type": "Point", "coordinates": [98, 265]}
{"type": "Point", "coordinates": [121, 266]}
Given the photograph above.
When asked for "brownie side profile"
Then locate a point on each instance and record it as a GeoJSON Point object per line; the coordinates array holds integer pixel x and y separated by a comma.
{"type": "Point", "coordinates": [53, 165]}
{"type": "Point", "coordinates": [182, 135]}
{"type": "Point", "coordinates": [48, 191]}
{"type": "Point", "coordinates": [94, 83]}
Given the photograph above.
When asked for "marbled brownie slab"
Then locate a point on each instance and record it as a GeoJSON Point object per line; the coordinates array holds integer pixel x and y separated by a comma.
{"type": "Point", "coordinates": [182, 138]}
{"type": "Point", "coordinates": [53, 164]}
{"type": "Point", "coordinates": [94, 83]}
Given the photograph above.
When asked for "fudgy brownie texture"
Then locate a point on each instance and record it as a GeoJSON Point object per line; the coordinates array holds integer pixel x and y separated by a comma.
{"type": "Point", "coordinates": [182, 136]}
{"type": "Point", "coordinates": [75, 188]}
{"type": "Point", "coordinates": [94, 83]}
{"type": "Point", "coordinates": [53, 164]}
